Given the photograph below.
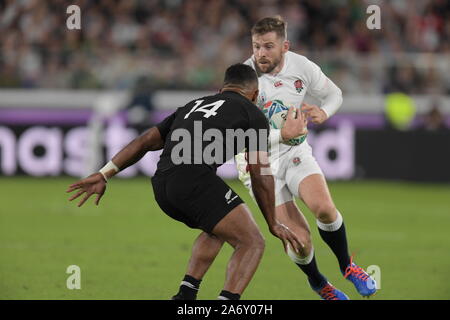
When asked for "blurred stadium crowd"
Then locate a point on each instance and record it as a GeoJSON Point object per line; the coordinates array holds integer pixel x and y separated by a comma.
{"type": "Point", "coordinates": [186, 44]}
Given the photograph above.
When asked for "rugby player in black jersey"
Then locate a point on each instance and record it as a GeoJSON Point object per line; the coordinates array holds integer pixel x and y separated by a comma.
{"type": "Point", "coordinates": [196, 139]}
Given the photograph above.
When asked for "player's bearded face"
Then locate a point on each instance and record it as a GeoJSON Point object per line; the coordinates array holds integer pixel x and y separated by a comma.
{"type": "Point", "coordinates": [268, 51]}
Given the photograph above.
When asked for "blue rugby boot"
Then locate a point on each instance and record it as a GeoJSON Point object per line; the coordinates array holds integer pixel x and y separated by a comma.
{"type": "Point", "coordinates": [363, 282]}
{"type": "Point", "coordinates": [329, 292]}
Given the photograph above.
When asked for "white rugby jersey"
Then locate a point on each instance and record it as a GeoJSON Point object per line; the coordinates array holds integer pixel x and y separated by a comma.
{"type": "Point", "coordinates": [298, 77]}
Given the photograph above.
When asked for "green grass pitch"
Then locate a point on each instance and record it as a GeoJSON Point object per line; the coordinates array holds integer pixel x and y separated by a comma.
{"type": "Point", "coordinates": [128, 249]}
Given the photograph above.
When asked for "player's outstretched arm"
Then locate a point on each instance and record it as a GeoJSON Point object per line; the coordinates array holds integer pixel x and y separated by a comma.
{"type": "Point", "coordinates": [150, 140]}
{"type": "Point", "coordinates": [263, 189]}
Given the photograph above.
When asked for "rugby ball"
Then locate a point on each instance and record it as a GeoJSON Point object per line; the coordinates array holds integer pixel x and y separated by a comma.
{"type": "Point", "coordinates": [276, 112]}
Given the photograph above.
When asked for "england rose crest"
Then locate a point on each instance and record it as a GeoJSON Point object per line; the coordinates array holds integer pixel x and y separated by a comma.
{"type": "Point", "coordinates": [298, 85]}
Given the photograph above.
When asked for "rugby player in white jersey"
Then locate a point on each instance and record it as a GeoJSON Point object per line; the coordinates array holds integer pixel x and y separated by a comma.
{"type": "Point", "coordinates": [287, 76]}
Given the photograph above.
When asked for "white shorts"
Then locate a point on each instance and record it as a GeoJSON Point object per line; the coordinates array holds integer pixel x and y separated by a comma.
{"type": "Point", "coordinates": [289, 171]}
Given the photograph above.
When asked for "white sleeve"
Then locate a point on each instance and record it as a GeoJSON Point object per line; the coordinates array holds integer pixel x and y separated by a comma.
{"type": "Point", "coordinates": [331, 97]}
{"type": "Point", "coordinates": [322, 88]}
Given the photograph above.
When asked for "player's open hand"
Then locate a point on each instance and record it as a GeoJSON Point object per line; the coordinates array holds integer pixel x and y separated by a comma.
{"type": "Point", "coordinates": [94, 184]}
{"type": "Point", "coordinates": [295, 124]}
{"type": "Point", "coordinates": [315, 113]}
{"type": "Point", "coordinates": [282, 232]}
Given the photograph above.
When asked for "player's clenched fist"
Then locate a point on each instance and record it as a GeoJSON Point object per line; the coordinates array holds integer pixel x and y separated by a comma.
{"type": "Point", "coordinates": [315, 113]}
{"type": "Point", "coordinates": [295, 124]}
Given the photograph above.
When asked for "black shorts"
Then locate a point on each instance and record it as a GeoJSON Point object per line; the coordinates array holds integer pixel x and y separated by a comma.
{"type": "Point", "coordinates": [194, 195]}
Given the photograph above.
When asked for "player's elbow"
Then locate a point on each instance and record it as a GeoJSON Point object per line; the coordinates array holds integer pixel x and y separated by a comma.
{"type": "Point", "coordinates": [333, 99]}
{"type": "Point", "coordinates": [339, 92]}
{"type": "Point", "coordinates": [333, 89]}
{"type": "Point", "coordinates": [339, 98]}
{"type": "Point", "coordinates": [152, 140]}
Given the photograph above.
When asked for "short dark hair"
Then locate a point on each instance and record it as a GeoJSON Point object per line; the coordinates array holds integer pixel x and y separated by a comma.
{"type": "Point", "coordinates": [240, 74]}
{"type": "Point", "coordinates": [269, 24]}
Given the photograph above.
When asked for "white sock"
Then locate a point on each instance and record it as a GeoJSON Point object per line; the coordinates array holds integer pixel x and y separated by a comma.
{"type": "Point", "coordinates": [331, 226]}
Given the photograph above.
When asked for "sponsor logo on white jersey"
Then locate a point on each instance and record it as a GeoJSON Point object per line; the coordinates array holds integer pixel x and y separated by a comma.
{"type": "Point", "coordinates": [278, 84]}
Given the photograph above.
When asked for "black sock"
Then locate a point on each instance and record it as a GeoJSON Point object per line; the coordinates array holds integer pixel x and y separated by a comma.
{"type": "Point", "coordinates": [229, 296]}
{"type": "Point", "coordinates": [315, 278]}
{"type": "Point", "coordinates": [188, 289]}
{"type": "Point", "coordinates": [337, 241]}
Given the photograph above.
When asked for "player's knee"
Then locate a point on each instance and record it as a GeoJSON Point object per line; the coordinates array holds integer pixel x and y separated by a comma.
{"type": "Point", "coordinates": [325, 212]}
{"type": "Point", "coordinates": [255, 240]}
{"type": "Point", "coordinates": [259, 242]}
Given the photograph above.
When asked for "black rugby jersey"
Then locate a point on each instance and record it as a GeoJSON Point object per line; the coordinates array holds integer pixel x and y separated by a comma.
{"type": "Point", "coordinates": [211, 130]}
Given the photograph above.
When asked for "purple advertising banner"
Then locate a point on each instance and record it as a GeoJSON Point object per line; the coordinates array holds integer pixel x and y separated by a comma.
{"type": "Point", "coordinates": [53, 150]}
{"type": "Point", "coordinates": [14, 116]}
{"type": "Point", "coordinates": [49, 142]}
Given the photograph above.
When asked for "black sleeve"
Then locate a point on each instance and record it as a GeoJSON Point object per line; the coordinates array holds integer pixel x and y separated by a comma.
{"type": "Point", "coordinates": [164, 126]}
{"type": "Point", "coordinates": [258, 122]}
